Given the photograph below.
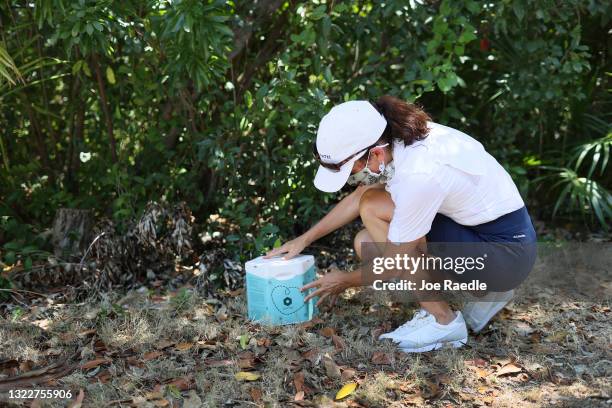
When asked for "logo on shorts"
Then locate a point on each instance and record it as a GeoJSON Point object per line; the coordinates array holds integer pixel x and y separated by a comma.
{"type": "Point", "coordinates": [519, 236]}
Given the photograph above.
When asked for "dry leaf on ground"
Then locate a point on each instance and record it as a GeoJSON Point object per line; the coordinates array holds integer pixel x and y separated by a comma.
{"type": "Point", "coordinates": [382, 358]}
{"type": "Point", "coordinates": [346, 390]}
{"type": "Point", "coordinates": [477, 366]}
{"type": "Point", "coordinates": [164, 344]}
{"type": "Point", "coordinates": [557, 336]}
{"type": "Point", "coordinates": [184, 346]}
{"type": "Point", "coordinates": [247, 376]}
{"type": "Point", "coordinates": [312, 355]}
{"type": "Point", "coordinates": [246, 359]}
{"type": "Point", "coordinates": [256, 394]}
{"type": "Point", "coordinates": [348, 374]}
{"type": "Point", "coordinates": [78, 402]}
{"type": "Point", "coordinates": [265, 342]}
{"type": "Point", "coordinates": [522, 328]}
{"type": "Point", "coordinates": [331, 368]}
{"type": "Point", "coordinates": [414, 399]}
{"type": "Point", "coordinates": [510, 368]}
{"type": "Point", "coordinates": [153, 395]}
{"type": "Point", "coordinates": [104, 376]}
{"type": "Point", "coordinates": [86, 333]}
{"type": "Point", "coordinates": [95, 363]}
{"type": "Point", "coordinates": [327, 331]}
{"type": "Point", "coordinates": [152, 355]}
{"type": "Point", "coordinates": [339, 342]}
{"type": "Point", "coordinates": [431, 389]}
{"type": "Point", "coordinates": [311, 323]}
{"type": "Point", "coordinates": [477, 362]}
{"type": "Point", "coordinates": [298, 381]}
{"type": "Point", "coordinates": [182, 383]}
{"type": "Point", "coordinates": [218, 363]}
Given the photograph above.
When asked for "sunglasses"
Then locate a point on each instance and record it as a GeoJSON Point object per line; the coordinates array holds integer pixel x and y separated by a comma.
{"type": "Point", "coordinates": [336, 166]}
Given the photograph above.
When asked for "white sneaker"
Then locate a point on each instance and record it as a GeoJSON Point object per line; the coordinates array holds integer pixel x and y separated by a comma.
{"type": "Point", "coordinates": [416, 318]}
{"type": "Point", "coordinates": [479, 311]}
{"type": "Point", "coordinates": [424, 333]}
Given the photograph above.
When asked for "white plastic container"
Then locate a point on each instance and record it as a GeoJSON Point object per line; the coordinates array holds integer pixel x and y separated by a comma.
{"type": "Point", "coordinates": [273, 289]}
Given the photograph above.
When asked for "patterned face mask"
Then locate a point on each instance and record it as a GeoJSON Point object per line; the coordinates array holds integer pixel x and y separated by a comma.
{"type": "Point", "coordinates": [367, 177]}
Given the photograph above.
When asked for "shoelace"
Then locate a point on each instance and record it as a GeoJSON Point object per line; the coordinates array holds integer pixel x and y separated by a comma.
{"type": "Point", "coordinates": [419, 315]}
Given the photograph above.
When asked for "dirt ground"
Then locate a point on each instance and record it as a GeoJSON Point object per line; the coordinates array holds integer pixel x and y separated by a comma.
{"type": "Point", "coordinates": [153, 348]}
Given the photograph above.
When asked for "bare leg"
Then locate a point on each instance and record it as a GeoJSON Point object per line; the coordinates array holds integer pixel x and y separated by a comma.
{"type": "Point", "coordinates": [361, 238]}
{"type": "Point", "coordinates": [376, 211]}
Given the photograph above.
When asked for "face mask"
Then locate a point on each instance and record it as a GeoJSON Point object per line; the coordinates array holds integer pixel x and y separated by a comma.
{"type": "Point", "coordinates": [366, 177]}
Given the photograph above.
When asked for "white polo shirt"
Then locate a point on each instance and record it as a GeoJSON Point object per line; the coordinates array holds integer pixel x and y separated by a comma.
{"type": "Point", "coordinates": [450, 173]}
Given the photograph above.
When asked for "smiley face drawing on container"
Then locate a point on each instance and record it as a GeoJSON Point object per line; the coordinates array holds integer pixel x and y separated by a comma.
{"type": "Point", "coordinates": [287, 299]}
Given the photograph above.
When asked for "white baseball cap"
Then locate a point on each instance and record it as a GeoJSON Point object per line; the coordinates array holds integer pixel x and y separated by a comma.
{"type": "Point", "coordinates": [346, 131]}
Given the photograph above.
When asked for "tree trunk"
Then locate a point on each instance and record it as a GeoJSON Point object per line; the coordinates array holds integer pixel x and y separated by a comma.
{"type": "Point", "coordinates": [72, 230]}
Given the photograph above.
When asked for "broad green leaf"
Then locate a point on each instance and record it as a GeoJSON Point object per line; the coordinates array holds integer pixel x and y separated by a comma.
{"type": "Point", "coordinates": [473, 6]}
{"type": "Point", "coordinates": [77, 67]}
{"type": "Point", "coordinates": [10, 258]}
{"type": "Point", "coordinates": [467, 36]}
{"type": "Point", "coordinates": [519, 9]}
{"type": "Point", "coordinates": [110, 75]}
{"type": "Point", "coordinates": [244, 341]}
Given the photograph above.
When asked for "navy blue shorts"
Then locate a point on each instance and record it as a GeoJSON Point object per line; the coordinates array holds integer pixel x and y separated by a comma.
{"type": "Point", "coordinates": [507, 244]}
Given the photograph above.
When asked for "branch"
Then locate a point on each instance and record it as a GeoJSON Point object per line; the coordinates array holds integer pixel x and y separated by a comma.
{"type": "Point", "coordinates": [40, 139]}
{"type": "Point", "coordinates": [104, 104]}
{"type": "Point", "coordinates": [263, 12]}
{"type": "Point", "coordinates": [268, 50]}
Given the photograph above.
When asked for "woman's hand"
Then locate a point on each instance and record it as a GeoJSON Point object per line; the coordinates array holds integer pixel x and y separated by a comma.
{"type": "Point", "coordinates": [291, 248]}
{"type": "Point", "coordinates": [329, 285]}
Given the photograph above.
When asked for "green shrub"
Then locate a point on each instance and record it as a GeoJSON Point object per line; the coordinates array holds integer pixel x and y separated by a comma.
{"type": "Point", "coordinates": [108, 105]}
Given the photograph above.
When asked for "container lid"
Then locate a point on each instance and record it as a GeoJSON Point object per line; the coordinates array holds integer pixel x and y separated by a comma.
{"type": "Point", "coordinates": [279, 261]}
{"type": "Point", "coordinates": [279, 268]}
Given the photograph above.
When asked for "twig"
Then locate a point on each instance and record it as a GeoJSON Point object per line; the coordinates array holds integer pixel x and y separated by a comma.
{"type": "Point", "coordinates": [24, 291]}
{"type": "Point", "coordinates": [119, 401]}
{"type": "Point", "coordinates": [16, 296]}
{"type": "Point", "coordinates": [31, 378]}
{"type": "Point", "coordinates": [89, 248]}
{"type": "Point", "coordinates": [245, 402]}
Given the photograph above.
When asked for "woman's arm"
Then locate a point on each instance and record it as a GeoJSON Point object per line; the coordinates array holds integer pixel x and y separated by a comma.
{"type": "Point", "coordinates": [342, 213]}
{"type": "Point", "coordinates": [336, 282]}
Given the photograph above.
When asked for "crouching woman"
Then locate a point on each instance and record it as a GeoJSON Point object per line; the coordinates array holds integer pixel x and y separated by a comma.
{"type": "Point", "coordinates": [420, 188]}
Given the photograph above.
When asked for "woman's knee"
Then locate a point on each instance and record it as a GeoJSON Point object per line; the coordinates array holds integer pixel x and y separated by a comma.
{"type": "Point", "coordinates": [360, 238]}
{"type": "Point", "coordinates": [376, 203]}
{"type": "Point", "coordinates": [365, 247]}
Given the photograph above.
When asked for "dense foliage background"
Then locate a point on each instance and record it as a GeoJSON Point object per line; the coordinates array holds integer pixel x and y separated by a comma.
{"type": "Point", "coordinates": [111, 104]}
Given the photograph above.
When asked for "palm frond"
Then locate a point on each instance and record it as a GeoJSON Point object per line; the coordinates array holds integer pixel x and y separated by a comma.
{"type": "Point", "coordinates": [598, 150]}
{"type": "Point", "coordinates": [581, 194]}
{"type": "Point", "coordinates": [8, 69]}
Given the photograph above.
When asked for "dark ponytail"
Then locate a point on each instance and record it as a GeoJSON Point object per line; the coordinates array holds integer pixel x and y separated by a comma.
{"type": "Point", "coordinates": [406, 122]}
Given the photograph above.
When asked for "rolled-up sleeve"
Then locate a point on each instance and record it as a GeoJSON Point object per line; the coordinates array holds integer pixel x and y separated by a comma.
{"type": "Point", "coordinates": [417, 200]}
